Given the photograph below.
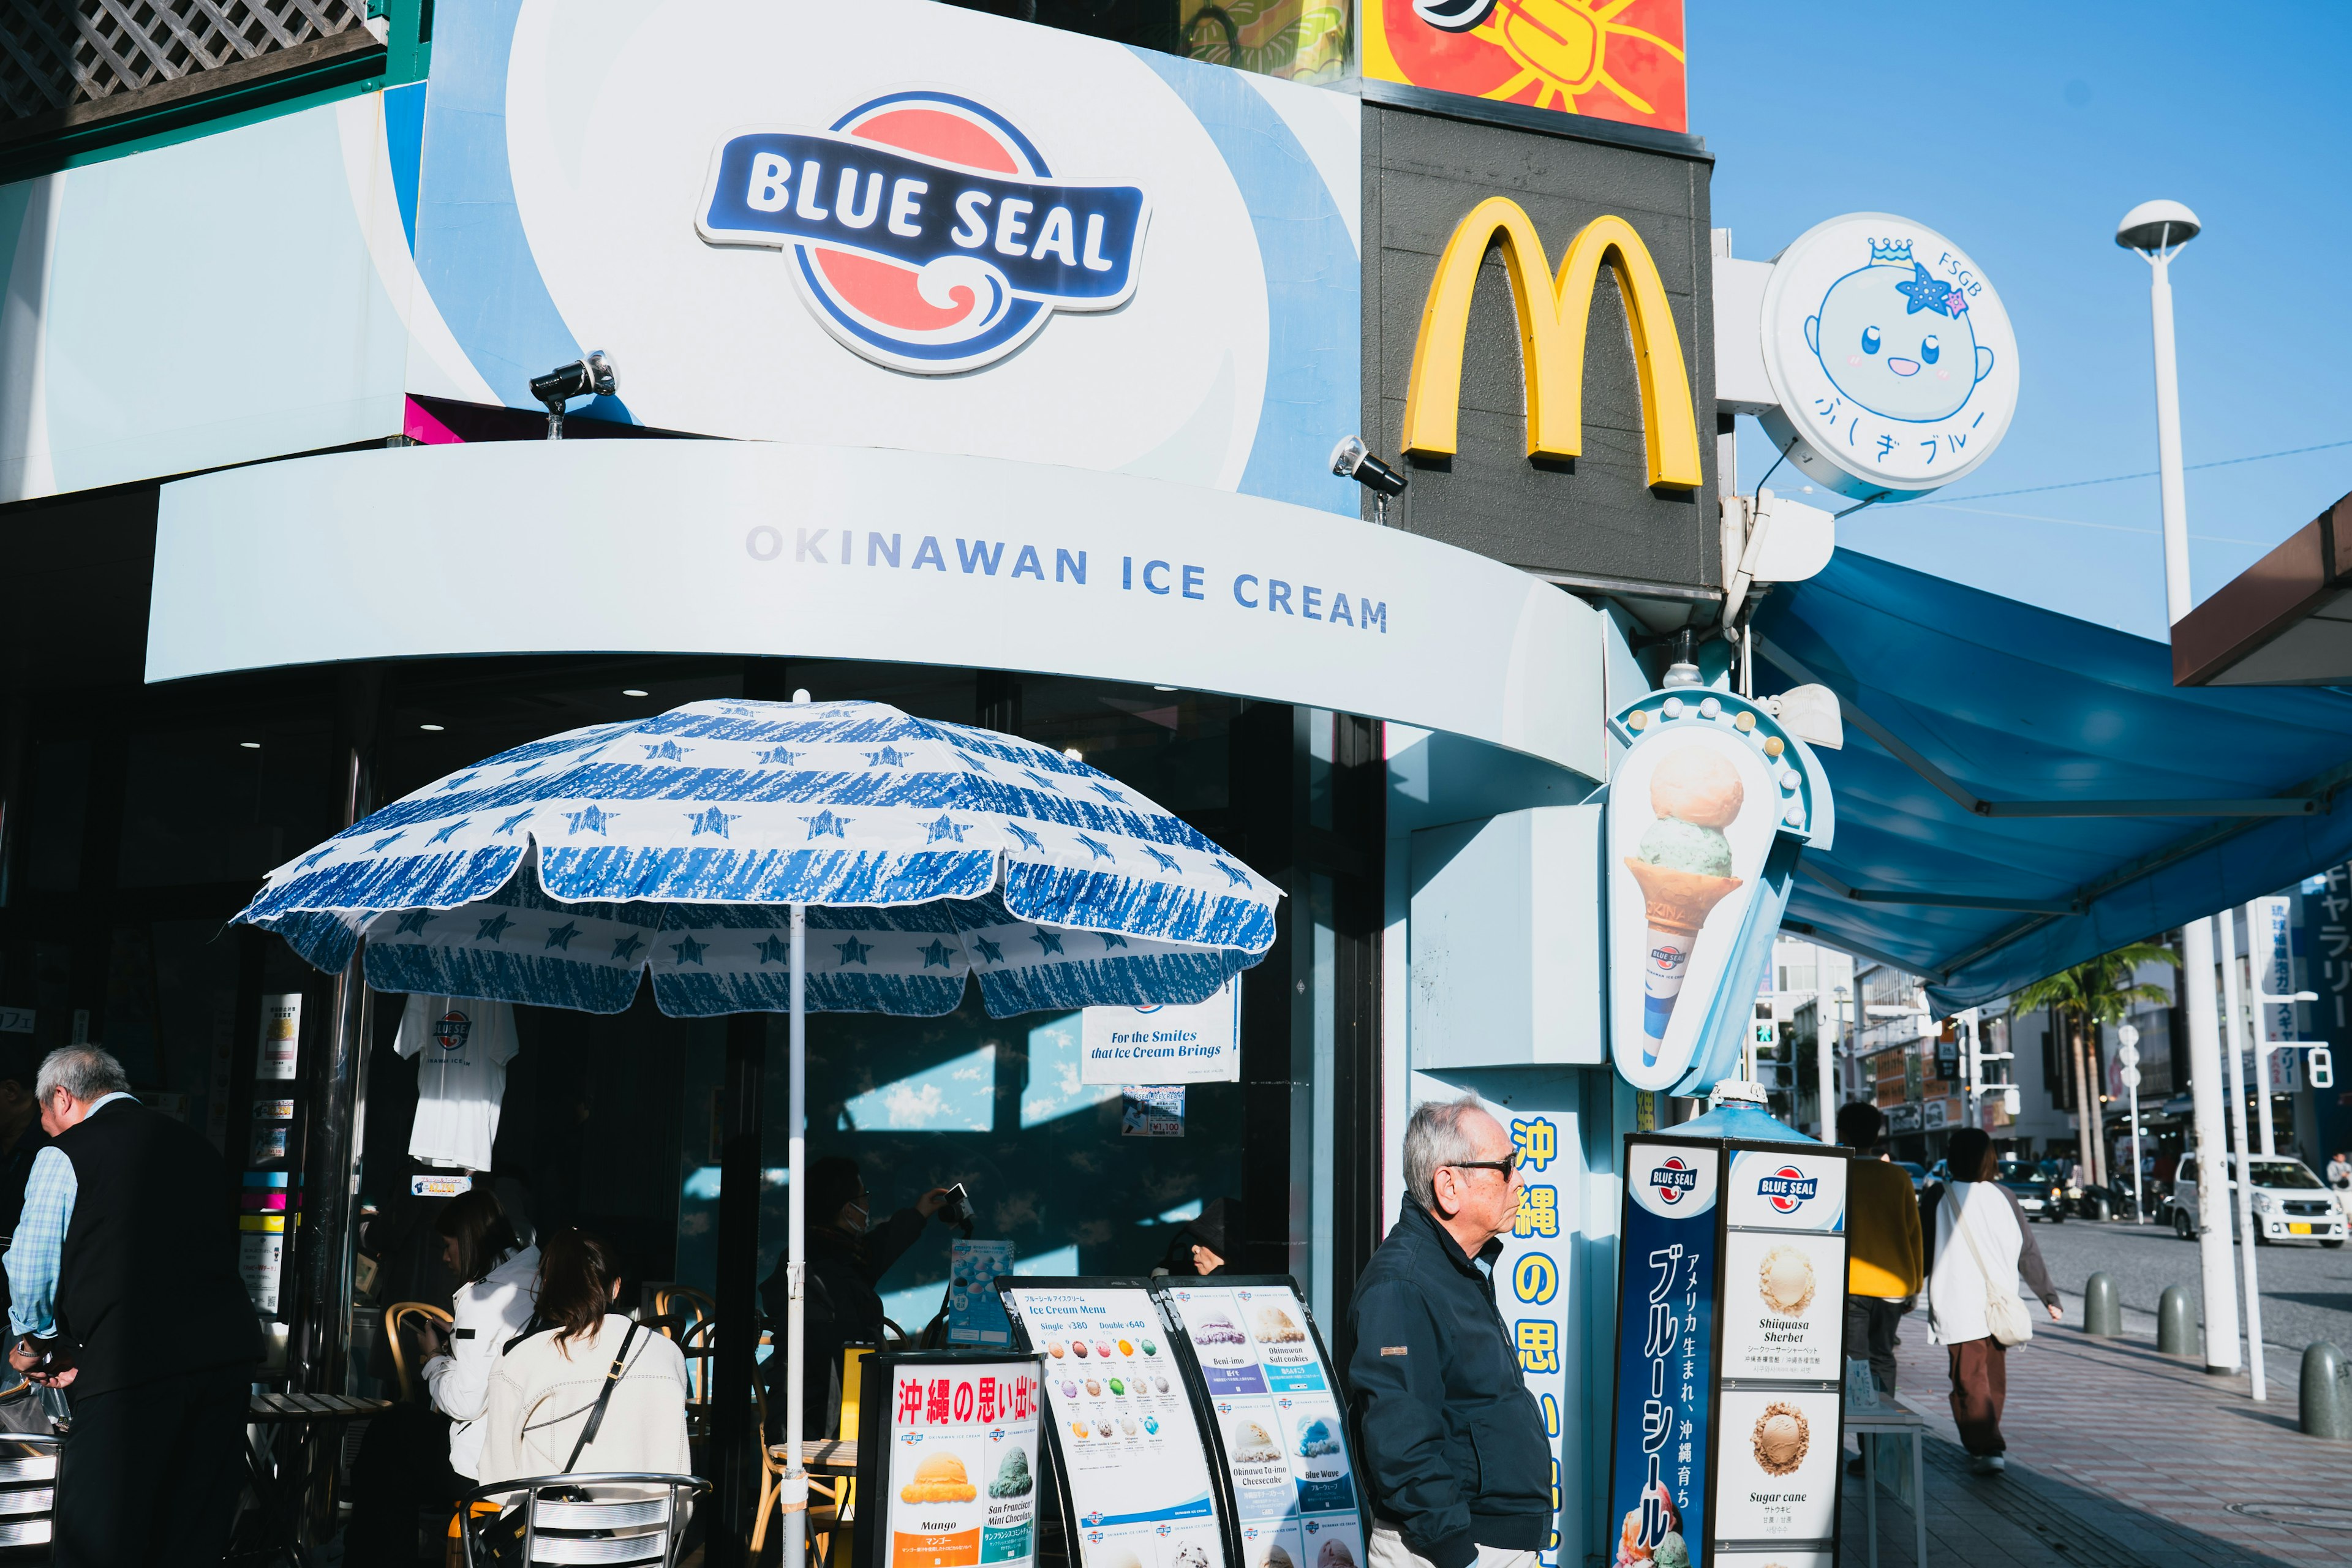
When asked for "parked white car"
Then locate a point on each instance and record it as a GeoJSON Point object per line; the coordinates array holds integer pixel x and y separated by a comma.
{"type": "Point", "coordinates": [2290, 1203]}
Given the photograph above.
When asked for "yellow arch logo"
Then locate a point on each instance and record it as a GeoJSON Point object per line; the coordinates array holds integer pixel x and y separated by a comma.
{"type": "Point", "coordinates": [1552, 319]}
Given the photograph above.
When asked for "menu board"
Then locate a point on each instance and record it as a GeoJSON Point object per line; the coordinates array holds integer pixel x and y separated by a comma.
{"type": "Point", "coordinates": [1127, 1443]}
{"type": "Point", "coordinates": [955, 1471]}
{"type": "Point", "coordinates": [1783, 1366]}
{"type": "Point", "coordinates": [1281, 1434]}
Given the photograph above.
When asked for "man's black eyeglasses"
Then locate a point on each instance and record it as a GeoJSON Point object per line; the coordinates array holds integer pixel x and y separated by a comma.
{"type": "Point", "coordinates": [1505, 1166]}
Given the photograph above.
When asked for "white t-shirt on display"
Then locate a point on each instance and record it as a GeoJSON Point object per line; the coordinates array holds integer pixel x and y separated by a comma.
{"type": "Point", "coordinates": [462, 1047]}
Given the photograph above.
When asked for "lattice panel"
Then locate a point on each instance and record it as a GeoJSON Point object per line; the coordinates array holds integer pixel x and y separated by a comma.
{"type": "Point", "coordinates": [54, 53]}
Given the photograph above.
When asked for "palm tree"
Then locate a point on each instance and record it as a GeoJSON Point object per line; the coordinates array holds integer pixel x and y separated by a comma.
{"type": "Point", "coordinates": [2099, 990]}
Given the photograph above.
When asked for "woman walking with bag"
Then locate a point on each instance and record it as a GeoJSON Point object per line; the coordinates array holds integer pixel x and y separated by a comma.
{"type": "Point", "coordinates": [1980, 1247]}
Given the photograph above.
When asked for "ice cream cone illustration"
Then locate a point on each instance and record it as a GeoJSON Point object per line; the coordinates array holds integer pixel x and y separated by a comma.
{"type": "Point", "coordinates": [1683, 865]}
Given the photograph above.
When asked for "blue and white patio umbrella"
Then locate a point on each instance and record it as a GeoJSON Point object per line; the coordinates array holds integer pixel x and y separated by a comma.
{"type": "Point", "coordinates": [704, 845]}
{"type": "Point", "coordinates": [927, 852]}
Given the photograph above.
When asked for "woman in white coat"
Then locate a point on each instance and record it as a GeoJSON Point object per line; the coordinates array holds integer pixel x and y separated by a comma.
{"type": "Point", "coordinates": [1979, 1247]}
{"type": "Point", "coordinates": [542, 1391]}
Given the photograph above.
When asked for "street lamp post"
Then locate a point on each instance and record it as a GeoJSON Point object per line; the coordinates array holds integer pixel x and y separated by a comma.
{"type": "Point", "coordinates": [1827, 1042]}
{"type": "Point", "coordinates": [2245, 1185]}
{"type": "Point", "coordinates": [2158, 230]}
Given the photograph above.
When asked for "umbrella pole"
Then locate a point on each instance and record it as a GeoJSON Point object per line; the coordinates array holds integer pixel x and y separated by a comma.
{"type": "Point", "coordinates": [794, 1497]}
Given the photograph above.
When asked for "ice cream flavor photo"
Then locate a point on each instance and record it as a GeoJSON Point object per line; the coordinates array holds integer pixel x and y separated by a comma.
{"type": "Point", "coordinates": [1335, 1554]}
{"type": "Point", "coordinates": [939, 1478]}
{"type": "Point", "coordinates": [1684, 867]}
{"type": "Point", "coordinates": [1251, 1446]}
{"type": "Point", "coordinates": [1275, 1327]}
{"type": "Point", "coordinates": [1782, 1435]}
{"type": "Point", "coordinates": [1216, 1328]}
{"type": "Point", "coordinates": [1012, 1477]}
{"type": "Point", "coordinates": [1787, 1281]}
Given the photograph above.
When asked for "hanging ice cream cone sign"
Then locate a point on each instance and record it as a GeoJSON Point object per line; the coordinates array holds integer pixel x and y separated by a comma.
{"type": "Point", "coordinates": [1707, 811]}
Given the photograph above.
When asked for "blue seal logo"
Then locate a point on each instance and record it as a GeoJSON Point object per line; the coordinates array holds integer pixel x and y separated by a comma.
{"type": "Point", "coordinates": [924, 231]}
{"type": "Point", "coordinates": [1674, 1180]}
{"type": "Point", "coordinates": [1787, 1188]}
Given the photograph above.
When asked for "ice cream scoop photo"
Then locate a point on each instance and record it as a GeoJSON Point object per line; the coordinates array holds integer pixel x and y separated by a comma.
{"type": "Point", "coordinates": [1684, 867]}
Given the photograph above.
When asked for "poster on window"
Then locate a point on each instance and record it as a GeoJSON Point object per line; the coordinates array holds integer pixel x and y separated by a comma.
{"type": "Point", "coordinates": [955, 1473]}
{"type": "Point", "coordinates": [1127, 1440]}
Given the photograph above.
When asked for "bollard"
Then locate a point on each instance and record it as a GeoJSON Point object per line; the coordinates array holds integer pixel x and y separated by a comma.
{"type": "Point", "coordinates": [2103, 1310]}
{"type": "Point", "coordinates": [2175, 1330]}
{"type": "Point", "coordinates": [2326, 1391]}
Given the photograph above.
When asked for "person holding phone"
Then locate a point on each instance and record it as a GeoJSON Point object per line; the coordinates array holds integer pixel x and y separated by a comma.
{"type": "Point", "coordinates": [849, 1253]}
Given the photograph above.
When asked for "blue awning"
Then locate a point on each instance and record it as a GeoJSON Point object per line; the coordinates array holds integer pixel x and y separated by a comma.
{"type": "Point", "coordinates": [2020, 791]}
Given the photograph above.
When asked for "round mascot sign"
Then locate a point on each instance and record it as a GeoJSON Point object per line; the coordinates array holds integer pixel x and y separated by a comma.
{"type": "Point", "coordinates": [1891, 356]}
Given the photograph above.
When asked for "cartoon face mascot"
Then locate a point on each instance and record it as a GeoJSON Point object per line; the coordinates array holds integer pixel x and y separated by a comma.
{"type": "Point", "coordinates": [1896, 339]}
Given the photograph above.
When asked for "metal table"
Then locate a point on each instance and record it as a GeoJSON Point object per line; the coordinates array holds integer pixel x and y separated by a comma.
{"type": "Point", "coordinates": [301, 1416]}
{"type": "Point", "coordinates": [1891, 1420]}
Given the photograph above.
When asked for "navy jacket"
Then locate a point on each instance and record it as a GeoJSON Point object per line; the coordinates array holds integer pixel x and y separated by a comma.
{"type": "Point", "coordinates": [1449, 1442]}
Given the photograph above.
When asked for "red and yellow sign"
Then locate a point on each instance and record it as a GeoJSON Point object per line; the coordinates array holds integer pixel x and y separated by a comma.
{"type": "Point", "coordinates": [1612, 59]}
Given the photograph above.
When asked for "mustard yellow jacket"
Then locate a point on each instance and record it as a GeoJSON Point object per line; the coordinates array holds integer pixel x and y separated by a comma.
{"type": "Point", "coordinates": [1882, 1229]}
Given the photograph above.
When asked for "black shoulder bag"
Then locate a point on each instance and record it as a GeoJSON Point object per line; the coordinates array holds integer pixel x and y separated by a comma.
{"type": "Point", "coordinates": [503, 1537]}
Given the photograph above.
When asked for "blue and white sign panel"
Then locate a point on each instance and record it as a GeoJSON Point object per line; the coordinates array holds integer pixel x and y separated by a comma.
{"type": "Point", "coordinates": [898, 224]}
{"type": "Point", "coordinates": [1666, 1352]}
{"type": "Point", "coordinates": [1533, 1282]}
{"type": "Point", "coordinates": [1164, 1042]}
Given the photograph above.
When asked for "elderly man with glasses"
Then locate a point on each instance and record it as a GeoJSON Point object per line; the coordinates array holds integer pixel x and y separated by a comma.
{"type": "Point", "coordinates": [1450, 1444]}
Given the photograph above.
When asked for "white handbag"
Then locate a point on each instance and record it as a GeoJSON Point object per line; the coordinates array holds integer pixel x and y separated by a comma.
{"type": "Point", "coordinates": [2005, 1313]}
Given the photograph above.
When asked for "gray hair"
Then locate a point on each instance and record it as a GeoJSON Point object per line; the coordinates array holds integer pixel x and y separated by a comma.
{"type": "Point", "coordinates": [86, 1073]}
{"type": "Point", "coordinates": [1436, 1136]}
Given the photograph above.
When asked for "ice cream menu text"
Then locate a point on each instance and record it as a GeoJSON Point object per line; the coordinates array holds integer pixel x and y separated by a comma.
{"type": "Point", "coordinates": [1123, 1428]}
{"type": "Point", "coordinates": [961, 1489]}
{"type": "Point", "coordinates": [1280, 1428]}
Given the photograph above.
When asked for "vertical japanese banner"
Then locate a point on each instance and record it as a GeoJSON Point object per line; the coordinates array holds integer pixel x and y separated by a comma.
{"type": "Point", "coordinates": [2270, 944]}
{"type": "Point", "coordinates": [1531, 1283]}
{"type": "Point", "coordinates": [1660, 1442]}
{"type": "Point", "coordinates": [2328, 968]}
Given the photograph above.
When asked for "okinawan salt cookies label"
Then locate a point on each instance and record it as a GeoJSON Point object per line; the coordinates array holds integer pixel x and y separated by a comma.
{"type": "Point", "coordinates": [1786, 1281]}
{"type": "Point", "coordinates": [1782, 1436]}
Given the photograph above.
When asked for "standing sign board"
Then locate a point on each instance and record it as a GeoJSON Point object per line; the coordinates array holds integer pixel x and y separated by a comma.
{"type": "Point", "coordinates": [1280, 1436]}
{"type": "Point", "coordinates": [1531, 1280]}
{"type": "Point", "coordinates": [951, 1469]}
{"type": "Point", "coordinates": [1129, 1457]}
{"type": "Point", "coordinates": [1729, 1363]}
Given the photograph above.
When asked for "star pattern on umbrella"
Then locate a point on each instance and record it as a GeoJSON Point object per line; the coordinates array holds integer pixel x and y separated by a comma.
{"type": "Point", "coordinates": [775, 757]}
{"type": "Point", "coordinates": [460, 782]}
{"type": "Point", "coordinates": [666, 752]}
{"type": "Point", "coordinates": [525, 768]}
{"type": "Point", "coordinates": [389, 839]}
{"type": "Point", "coordinates": [625, 948]}
{"type": "Point", "coordinates": [853, 950]}
{"type": "Point", "coordinates": [1233, 874]}
{"type": "Point", "coordinates": [495, 928]}
{"type": "Point", "coordinates": [774, 948]}
{"type": "Point", "coordinates": [413, 922]}
{"type": "Point", "coordinates": [561, 936]}
{"type": "Point", "coordinates": [711, 820]}
{"type": "Point", "coordinates": [316, 855]}
{"type": "Point", "coordinates": [1041, 780]}
{"type": "Point", "coordinates": [1047, 942]}
{"type": "Point", "coordinates": [509, 823]}
{"type": "Point", "coordinates": [887, 757]}
{"type": "Point", "coordinates": [1166, 862]}
{"type": "Point", "coordinates": [1099, 849]}
{"type": "Point", "coordinates": [689, 950]}
{"type": "Point", "coordinates": [1110, 940]}
{"type": "Point", "coordinates": [987, 950]}
{"type": "Point", "coordinates": [1117, 797]}
{"type": "Point", "coordinates": [592, 819]}
{"type": "Point", "coordinates": [937, 952]}
{"type": "Point", "coordinates": [1028, 839]}
{"type": "Point", "coordinates": [443, 837]}
{"type": "Point", "coordinates": [945, 828]}
{"type": "Point", "coordinates": [826, 823]}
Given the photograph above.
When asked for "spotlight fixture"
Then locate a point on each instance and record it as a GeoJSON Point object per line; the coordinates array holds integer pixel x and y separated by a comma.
{"type": "Point", "coordinates": [633, 691]}
{"type": "Point", "coordinates": [1352, 459]}
{"type": "Point", "coordinates": [1072, 754]}
{"type": "Point", "coordinates": [434, 729]}
{"type": "Point", "coordinates": [590, 376]}
{"type": "Point", "coordinates": [250, 746]}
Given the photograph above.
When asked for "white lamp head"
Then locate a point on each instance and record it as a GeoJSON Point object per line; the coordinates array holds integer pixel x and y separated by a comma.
{"type": "Point", "coordinates": [2157, 225]}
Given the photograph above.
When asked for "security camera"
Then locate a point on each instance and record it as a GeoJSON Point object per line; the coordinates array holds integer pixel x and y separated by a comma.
{"type": "Point", "coordinates": [1352, 459]}
{"type": "Point", "coordinates": [590, 376]}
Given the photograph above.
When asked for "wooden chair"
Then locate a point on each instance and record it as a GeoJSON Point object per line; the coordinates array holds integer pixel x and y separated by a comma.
{"type": "Point", "coordinates": [684, 1304]}
{"type": "Point", "coordinates": [830, 1499]}
{"type": "Point", "coordinates": [397, 1316]}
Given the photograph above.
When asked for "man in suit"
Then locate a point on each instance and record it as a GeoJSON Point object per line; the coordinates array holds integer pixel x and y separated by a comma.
{"type": "Point", "coordinates": [125, 1293]}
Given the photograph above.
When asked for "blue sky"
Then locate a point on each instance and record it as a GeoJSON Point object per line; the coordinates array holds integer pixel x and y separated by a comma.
{"type": "Point", "coordinates": [2023, 132]}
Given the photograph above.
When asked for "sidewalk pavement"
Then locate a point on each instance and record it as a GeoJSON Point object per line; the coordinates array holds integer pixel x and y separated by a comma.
{"type": "Point", "coordinates": [2118, 1458]}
